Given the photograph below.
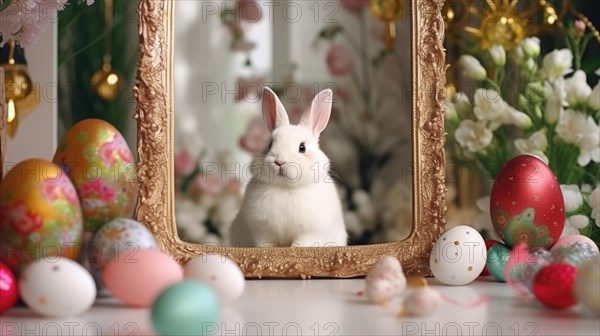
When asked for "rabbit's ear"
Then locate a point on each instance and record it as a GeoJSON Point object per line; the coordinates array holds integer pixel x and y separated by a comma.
{"type": "Point", "coordinates": [317, 116]}
{"type": "Point", "coordinates": [273, 111]}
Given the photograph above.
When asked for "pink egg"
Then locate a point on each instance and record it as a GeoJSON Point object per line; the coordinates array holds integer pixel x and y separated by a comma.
{"type": "Point", "coordinates": [570, 239]}
{"type": "Point", "coordinates": [137, 277]}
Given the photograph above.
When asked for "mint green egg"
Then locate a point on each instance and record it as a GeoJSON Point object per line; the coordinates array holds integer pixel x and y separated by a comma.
{"type": "Point", "coordinates": [186, 308]}
{"type": "Point", "coordinates": [497, 257]}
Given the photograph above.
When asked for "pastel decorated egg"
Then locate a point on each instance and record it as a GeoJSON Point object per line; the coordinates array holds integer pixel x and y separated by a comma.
{"type": "Point", "coordinates": [100, 164]}
{"type": "Point", "coordinates": [136, 277]}
{"type": "Point", "coordinates": [587, 285]}
{"type": "Point", "coordinates": [497, 258]}
{"type": "Point", "coordinates": [57, 287]}
{"type": "Point", "coordinates": [576, 238]}
{"type": "Point", "coordinates": [526, 203]}
{"type": "Point", "coordinates": [40, 214]}
{"type": "Point", "coordinates": [222, 274]}
{"type": "Point", "coordinates": [118, 235]}
{"type": "Point", "coordinates": [488, 244]}
{"type": "Point", "coordinates": [185, 308]}
{"type": "Point", "coordinates": [458, 256]}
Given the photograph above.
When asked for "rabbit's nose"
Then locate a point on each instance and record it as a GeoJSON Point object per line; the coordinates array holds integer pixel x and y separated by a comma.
{"type": "Point", "coordinates": [279, 163]}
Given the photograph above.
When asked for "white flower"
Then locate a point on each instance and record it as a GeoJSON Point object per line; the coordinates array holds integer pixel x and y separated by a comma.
{"type": "Point", "coordinates": [518, 118]}
{"type": "Point", "coordinates": [531, 65]}
{"type": "Point", "coordinates": [578, 221]}
{"type": "Point", "coordinates": [568, 230]}
{"type": "Point", "coordinates": [535, 145]}
{"type": "Point", "coordinates": [474, 136]}
{"type": "Point", "coordinates": [581, 130]}
{"type": "Point", "coordinates": [450, 113]}
{"type": "Point", "coordinates": [577, 89]}
{"type": "Point", "coordinates": [595, 204]}
{"type": "Point", "coordinates": [462, 105]}
{"type": "Point", "coordinates": [557, 63]}
{"type": "Point", "coordinates": [556, 99]}
{"type": "Point", "coordinates": [571, 196]}
{"type": "Point", "coordinates": [490, 107]}
{"type": "Point", "coordinates": [471, 68]}
{"type": "Point", "coordinates": [498, 55]}
{"type": "Point", "coordinates": [531, 47]}
{"type": "Point", "coordinates": [594, 98]}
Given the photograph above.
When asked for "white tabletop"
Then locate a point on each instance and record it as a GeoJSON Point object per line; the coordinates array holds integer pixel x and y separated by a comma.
{"type": "Point", "coordinates": [331, 307]}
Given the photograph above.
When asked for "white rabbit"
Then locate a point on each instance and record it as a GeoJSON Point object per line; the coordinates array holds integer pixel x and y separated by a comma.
{"type": "Point", "coordinates": [291, 199]}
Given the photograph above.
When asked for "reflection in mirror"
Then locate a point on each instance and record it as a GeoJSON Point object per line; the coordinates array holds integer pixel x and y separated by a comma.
{"type": "Point", "coordinates": [227, 51]}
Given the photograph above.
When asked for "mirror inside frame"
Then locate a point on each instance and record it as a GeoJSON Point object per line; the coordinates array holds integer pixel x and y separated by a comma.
{"type": "Point", "coordinates": [227, 51]}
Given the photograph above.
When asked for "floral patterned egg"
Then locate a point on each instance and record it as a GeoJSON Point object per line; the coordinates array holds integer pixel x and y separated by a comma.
{"type": "Point", "coordinates": [40, 214]}
{"type": "Point", "coordinates": [526, 203]}
{"type": "Point", "coordinates": [100, 164]}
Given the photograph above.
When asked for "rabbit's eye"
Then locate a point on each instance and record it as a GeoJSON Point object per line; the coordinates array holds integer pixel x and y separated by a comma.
{"type": "Point", "coordinates": [302, 148]}
{"type": "Point", "coordinates": [270, 144]}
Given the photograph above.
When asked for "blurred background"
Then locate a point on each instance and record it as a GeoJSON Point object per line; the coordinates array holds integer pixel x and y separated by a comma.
{"type": "Point", "coordinates": [81, 60]}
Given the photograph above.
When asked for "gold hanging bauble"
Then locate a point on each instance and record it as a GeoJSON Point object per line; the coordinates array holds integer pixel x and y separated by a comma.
{"type": "Point", "coordinates": [107, 83]}
{"type": "Point", "coordinates": [389, 11]}
{"type": "Point", "coordinates": [17, 89]}
{"type": "Point", "coordinates": [17, 82]}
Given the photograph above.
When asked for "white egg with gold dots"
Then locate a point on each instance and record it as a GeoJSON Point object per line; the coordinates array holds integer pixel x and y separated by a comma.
{"type": "Point", "coordinates": [458, 256]}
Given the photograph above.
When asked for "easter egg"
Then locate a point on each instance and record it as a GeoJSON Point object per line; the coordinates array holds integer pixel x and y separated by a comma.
{"type": "Point", "coordinates": [57, 287]}
{"type": "Point", "coordinates": [40, 214]}
{"type": "Point", "coordinates": [136, 277]}
{"type": "Point", "coordinates": [100, 164]}
{"type": "Point", "coordinates": [9, 290]}
{"type": "Point", "coordinates": [571, 239]}
{"type": "Point", "coordinates": [526, 203]}
{"type": "Point", "coordinates": [116, 236]}
{"type": "Point", "coordinates": [222, 274]}
{"type": "Point", "coordinates": [587, 285]}
{"type": "Point", "coordinates": [488, 244]}
{"type": "Point", "coordinates": [185, 308]}
{"type": "Point", "coordinates": [554, 285]}
{"type": "Point", "coordinates": [458, 256]}
{"type": "Point", "coordinates": [497, 257]}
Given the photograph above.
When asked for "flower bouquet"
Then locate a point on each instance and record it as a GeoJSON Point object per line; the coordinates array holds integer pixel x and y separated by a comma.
{"type": "Point", "coordinates": [521, 102]}
{"type": "Point", "coordinates": [24, 20]}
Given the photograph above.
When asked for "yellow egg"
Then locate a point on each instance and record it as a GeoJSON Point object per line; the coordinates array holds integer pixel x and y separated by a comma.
{"type": "Point", "coordinates": [100, 164]}
{"type": "Point", "coordinates": [40, 214]}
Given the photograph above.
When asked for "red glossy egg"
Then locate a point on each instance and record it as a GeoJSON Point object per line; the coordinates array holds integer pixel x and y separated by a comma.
{"type": "Point", "coordinates": [526, 203]}
{"type": "Point", "coordinates": [9, 289]}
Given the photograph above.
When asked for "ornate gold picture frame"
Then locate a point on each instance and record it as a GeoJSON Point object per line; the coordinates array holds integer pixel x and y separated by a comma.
{"type": "Point", "coordinates": [154, 92]}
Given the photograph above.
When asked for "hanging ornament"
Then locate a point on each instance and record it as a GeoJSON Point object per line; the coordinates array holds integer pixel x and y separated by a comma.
{"type": "Point", "coordinates": [17, 85]}
{"type": "Point", "coordinates": [389, 11]}
{"type": "Point", "coordinates": [107, 82]}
